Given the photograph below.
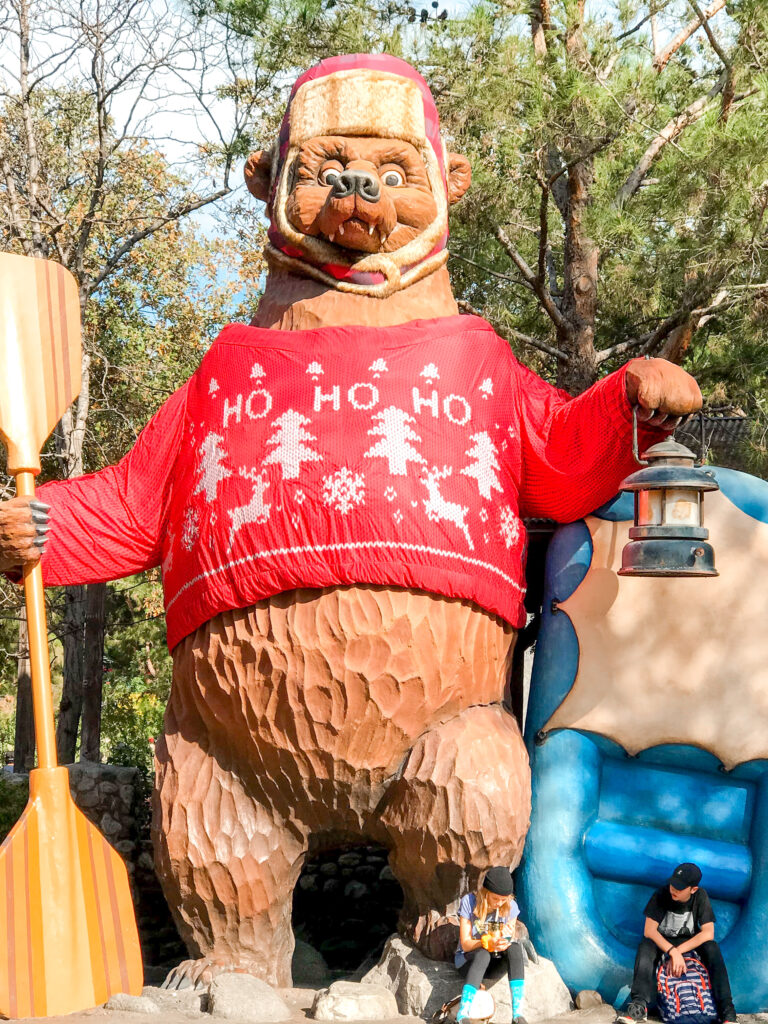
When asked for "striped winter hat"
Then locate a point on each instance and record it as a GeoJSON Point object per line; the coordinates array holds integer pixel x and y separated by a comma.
{"type": "Point", "coordinates": [371, 95]}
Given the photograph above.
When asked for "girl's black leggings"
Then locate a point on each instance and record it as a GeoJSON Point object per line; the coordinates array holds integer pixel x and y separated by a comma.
{"type": "Point", "coordinates": [480, 964]}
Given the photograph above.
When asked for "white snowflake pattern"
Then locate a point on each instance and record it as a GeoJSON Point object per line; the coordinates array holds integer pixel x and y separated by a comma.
{"type": "Point", "coordinates": [486, 387]}
{"type": "Point", "coordinates": [213, 387]}
{"type": "Point", "coordinates": [299, 496]}
{"type": "Point", "coordinates": [486, 537]}
{"type": "Point", "coordinates": [397, 515]}
{"type": "Point", "coordinates": [257, 371]}
{"type": "Point", "coordinates": [484, 514]}
{"type": "Point", "coordinates": [430, 373]}
{"type": "Point", "coordinates": [377, 367]}
{"type": "Point", "coordinates": [414, 504]}
{"type": "Point", "coordinates": [509, 526]}
{"type": "Point", "coordinates": [210, 470]}
{"type": "Point", "coordinates": [295, 519]}
{"type": "Point", "coordinates": [344, 490]}
{"type": "Point", "coordinates": [390, 494]}
{"type": "Point", "coordinates": [191, 529]}
{"type": "Point", "coordinates": [315, 369]}
{"type": "Point", "coordinates": [511, 432]}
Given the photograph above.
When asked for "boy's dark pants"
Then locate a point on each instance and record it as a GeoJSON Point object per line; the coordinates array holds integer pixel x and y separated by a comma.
{"type": "Point", "coordinates": [647, 959]}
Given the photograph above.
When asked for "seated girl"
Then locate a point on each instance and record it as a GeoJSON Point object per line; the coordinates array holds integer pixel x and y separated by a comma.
{"type": "Point", "coordinates": [487, 945]}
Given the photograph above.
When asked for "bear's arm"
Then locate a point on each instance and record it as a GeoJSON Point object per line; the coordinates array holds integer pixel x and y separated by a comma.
{"type": "Point", "coordinates": [575, 451]}
{"type": "Point", "coordinates": [110, 524]}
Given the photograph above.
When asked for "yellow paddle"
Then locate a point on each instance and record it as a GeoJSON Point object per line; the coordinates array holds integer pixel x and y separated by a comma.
{"type": "Point", "coordinates": [68, 938]}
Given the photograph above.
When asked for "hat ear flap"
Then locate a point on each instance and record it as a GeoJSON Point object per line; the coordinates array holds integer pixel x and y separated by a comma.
{"type": "Point", "coordinates": [258, 173]}
{"type": "Point", "coordinates": [459, 177]}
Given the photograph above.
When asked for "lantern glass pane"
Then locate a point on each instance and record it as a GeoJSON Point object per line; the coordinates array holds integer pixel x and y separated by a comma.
{"type": "Point", "coordinates": [681, 507]}
{"type": "Point", "coordinates": [649, 507]}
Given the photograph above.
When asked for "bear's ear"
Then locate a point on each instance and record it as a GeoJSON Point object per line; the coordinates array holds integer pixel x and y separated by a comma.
{"type": "Point", "coordinates": [459, 176]}
{"type": "Point", "coordinates": [258, 171]}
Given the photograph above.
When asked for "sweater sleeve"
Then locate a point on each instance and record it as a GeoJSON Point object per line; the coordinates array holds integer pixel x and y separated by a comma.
{"type": "Point", "coordinates": [575, 451]}
{"type": "Point", "coordinates": [110, 524]}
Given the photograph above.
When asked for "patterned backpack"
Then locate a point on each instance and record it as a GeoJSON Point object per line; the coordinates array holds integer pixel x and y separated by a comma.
{"type": "Point", "coordinates": [687, 999]}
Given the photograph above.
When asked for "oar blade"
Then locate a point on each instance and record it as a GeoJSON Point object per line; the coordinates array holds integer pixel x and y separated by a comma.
{"type": "Point", "coordinates": [40, 351]}
{"type": "Point", "coordinates": [68, 938]}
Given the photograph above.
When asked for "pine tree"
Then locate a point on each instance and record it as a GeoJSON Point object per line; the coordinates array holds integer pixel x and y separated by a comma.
{"type": "Point", "coordinates": [396, 435]}
{"type": "Point", "coordinates": [485, 467]}
{"type": "Point", "coordinates": [290, 452]}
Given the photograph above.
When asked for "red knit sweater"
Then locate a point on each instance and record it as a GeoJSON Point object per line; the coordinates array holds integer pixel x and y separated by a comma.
{"type": "Point", "coordinates": [398, 456]}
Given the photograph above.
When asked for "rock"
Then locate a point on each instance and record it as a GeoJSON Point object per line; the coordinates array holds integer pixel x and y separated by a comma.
{"type": "Point", "coordinates": [329, 868]}
{"type": "Point", "coordinates": [355, 890]}
{"type": "Point", "coordinates": [350, 859]}
{"type": "Point", "coordinates": [331, 885]}
{"type": "Point", "coordinates": [244, 998]}
{"type": "Point", "coordinates": [308, 968]}
{"type": "Point", "coordinates": [350, 1000]}
{"type": "Point", "coordinates": [132, 1004]}
{"type": "Point", "coordinates": [588, 998]}
{"type": "Point", "coordinates": [308, 883]}
{"type": "Point", "coordinates": [421, 986]}
{"type": "Point", "coordinates": [185, 1000]}
{"type": "Point", "coordinates": [387, 874]}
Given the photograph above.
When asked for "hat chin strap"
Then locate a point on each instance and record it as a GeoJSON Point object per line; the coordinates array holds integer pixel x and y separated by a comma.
{"type": "Point", "coordinates": [378, 275]}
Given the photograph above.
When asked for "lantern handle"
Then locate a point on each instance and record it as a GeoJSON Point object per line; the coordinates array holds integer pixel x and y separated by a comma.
{"type": "Point", "coordinates": [635, 447]}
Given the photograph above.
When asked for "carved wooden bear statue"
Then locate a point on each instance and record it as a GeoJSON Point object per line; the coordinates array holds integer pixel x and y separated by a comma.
{"type": "Point", "coordinates": [335, 498]}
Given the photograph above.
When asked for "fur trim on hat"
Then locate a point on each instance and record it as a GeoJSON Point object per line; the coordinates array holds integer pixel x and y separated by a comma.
{"type": "Point", "coordinates": [359, 101]}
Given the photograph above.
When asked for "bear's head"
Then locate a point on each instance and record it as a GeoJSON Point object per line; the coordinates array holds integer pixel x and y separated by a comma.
{"type": "Point", "coordinates": [359, 183]}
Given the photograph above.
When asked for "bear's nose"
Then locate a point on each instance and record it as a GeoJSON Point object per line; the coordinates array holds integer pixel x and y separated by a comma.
{"type": "Point", "coordinates": [365, 184]}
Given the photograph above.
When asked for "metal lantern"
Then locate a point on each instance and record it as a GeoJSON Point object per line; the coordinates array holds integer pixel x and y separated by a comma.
{"type": "Point", "coordinates": [668, 538]}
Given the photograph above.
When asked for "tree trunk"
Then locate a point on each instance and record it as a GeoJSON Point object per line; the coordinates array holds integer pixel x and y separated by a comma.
{"type": "Point", "coordinates": [93, 672]}
{"type": "Point", "coordinates": [24, 740]}
{"type": "Point", "coordinates": [579, 303]}
{"type": "Point", "coordinates": [70, 708]}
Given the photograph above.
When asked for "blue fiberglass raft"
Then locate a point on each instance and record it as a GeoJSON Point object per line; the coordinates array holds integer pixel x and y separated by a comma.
{"type": "Point", "coordinates": [647, 729]}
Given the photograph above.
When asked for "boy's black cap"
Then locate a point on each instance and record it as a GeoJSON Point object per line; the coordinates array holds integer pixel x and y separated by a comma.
{"type": "Point", "coordinates": [498, 881]}
{"type": "Point", "coordinates": [684, 875]}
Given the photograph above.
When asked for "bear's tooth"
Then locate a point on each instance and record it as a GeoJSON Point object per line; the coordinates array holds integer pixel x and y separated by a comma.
{"type": "Point", "coordinates": [370, 229]}
{"type": "Point", "coordinates": [332, 237]}
{"type": "Point", "coordinates": [341, 229]}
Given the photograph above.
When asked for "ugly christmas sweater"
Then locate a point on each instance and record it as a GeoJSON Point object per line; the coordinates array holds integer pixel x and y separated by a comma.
{"type": "Point", "coordinates": [400, 456]}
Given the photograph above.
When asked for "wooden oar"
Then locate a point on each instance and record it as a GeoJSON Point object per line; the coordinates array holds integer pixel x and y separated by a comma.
{"type": "Point", "coordinates": [68, 938]}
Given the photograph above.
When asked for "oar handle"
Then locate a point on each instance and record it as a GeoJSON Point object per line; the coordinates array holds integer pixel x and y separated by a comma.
{"type": "Point", "coordinates": [34, 597]}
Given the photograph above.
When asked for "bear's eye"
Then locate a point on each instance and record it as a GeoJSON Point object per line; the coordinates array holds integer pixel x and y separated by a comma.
{"type": "Point", "coordinates": [330, 175]}
{"type": "Point", "coordinates": [393, 178]}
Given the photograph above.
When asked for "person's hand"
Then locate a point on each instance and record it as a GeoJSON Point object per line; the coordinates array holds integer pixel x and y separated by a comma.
{"type": "Point", "coordinates": [662, 391]}
{"type": "Point", "coordinates": [23, 532]}
{"type": "Point", "coordinates": [677, 961]}
{"type": "Point", "coordinates": [503, 943]}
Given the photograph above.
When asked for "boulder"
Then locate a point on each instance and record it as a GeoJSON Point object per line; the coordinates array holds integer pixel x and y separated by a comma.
{"type": "Point", "coordinates": [349, 1000]}
{"type": "Point", "coordinates": [242, 997]}
{"type": "Point", "coordinates": [188, 1001]}
{"type": "Point", "coordinates": [421, 986]}
{"type": "Point", "coordinates": [308, 967]}
{"type": "Point", "coordinates": [131, 1004]}
{"type": "Point", "coordinates": [588, 998]}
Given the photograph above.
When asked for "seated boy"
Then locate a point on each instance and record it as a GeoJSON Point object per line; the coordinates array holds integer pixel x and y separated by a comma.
{"type": "Point", "coordinates": [678, 919]}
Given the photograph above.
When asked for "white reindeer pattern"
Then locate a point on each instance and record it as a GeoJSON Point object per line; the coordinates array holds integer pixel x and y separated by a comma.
{"type": "Point", "coordinates": [256, 511]}
{"type": "Point", "coordinates": [438, 508]}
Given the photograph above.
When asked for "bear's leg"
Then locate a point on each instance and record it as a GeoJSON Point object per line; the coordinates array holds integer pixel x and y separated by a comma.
{"type": "Point", "coordinates": [227, 863]}
{"type": "Point", "coordinates": [461, 804]}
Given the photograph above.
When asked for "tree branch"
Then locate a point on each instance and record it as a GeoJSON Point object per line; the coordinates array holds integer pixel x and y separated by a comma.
{"type": "Point", "coordinates": [668, 133]}
{"type": "Point", "coordinates": [538, 286]}
{"type": "Point", "coordinates": [662, 59]}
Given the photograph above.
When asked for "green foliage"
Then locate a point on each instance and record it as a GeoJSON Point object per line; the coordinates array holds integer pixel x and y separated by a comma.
{"type": "Point", "coordinates": [13, 800]}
